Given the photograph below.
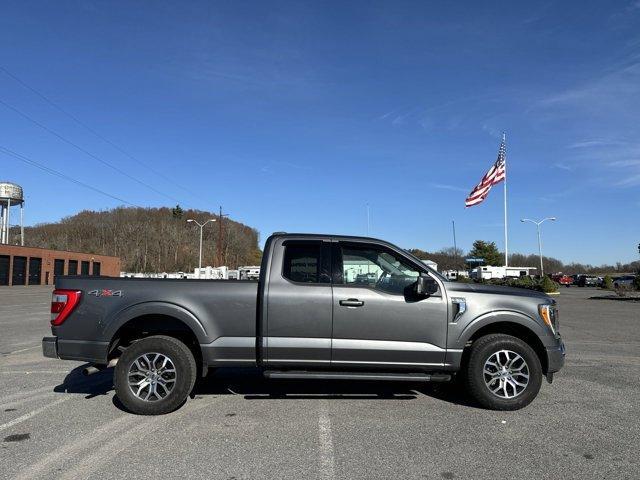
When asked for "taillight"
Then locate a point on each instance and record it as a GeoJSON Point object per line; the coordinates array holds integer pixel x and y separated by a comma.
{"type": "Point", "coordinates": [62, 304]}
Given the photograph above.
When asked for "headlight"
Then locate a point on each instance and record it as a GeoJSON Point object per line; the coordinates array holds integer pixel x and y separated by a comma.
{"type": "Point", "coordinates": [549, 314]}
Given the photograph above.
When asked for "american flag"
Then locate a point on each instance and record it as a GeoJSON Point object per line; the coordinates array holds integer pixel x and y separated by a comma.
{"type": "Point", "coordinates": [495, 175]}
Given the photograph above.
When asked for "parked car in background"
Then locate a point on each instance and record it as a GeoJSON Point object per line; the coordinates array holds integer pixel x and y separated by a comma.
{"type": "Point", "coordinates": [587, 281]}
{"type": "Point", "coordinates": [565, 280]}
{"type": "Point", "coordinates": [624, 281]}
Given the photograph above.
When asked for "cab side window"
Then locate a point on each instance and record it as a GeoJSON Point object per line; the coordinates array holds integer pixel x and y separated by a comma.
{"type": "Point", "coordinates": [306, 262]}
{"type": "Point", "coordinates": [377, 268]}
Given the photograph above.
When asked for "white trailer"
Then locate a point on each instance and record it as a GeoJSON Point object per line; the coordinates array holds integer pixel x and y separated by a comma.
{"type": "Point", "coordinates": [251, 272]}
{"type": "Point", "coordinates": [488, 272]}
{"type": "Point", "coordinates": [455, 274]}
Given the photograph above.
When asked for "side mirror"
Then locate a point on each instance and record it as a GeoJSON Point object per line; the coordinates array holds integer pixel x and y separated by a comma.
{"type": "Point", "coordinates": [426, 286]}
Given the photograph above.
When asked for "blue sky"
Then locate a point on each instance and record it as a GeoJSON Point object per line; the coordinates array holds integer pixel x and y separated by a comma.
{"type": "Point", "coordinates": [295, 115]}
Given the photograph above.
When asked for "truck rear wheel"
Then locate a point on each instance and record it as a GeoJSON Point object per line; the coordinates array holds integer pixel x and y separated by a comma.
{"type": "Point", "coordinates": [155, 375]}
{"type": "Point", "coordinates": [503, 372]}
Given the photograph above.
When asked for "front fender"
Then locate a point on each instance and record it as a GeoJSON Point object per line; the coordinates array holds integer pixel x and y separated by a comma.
{"type": "Point", "coordinates": [463, 331]}
{"type": "Point", "coordinates": [112, 324]}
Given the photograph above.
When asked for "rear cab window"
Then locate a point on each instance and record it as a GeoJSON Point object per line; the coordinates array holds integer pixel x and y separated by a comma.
{"type": "Point", "coordinates": [307, 262]}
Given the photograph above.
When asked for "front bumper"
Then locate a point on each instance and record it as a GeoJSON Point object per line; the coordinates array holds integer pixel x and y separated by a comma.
{"type": "Point", "coordinates": [555, 358]}
{"type": "Point", "coordinates": [50, 347]}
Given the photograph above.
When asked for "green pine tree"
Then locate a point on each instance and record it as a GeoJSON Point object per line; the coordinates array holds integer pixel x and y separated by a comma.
{"type": "Point", "coordinates": [177, 212]}
{"type": "Point", "coordinates": [488, 251]}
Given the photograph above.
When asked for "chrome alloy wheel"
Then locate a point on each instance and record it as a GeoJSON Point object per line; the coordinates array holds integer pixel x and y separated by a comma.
{"type": "Point", "coordinates": [152, 376]}
{"type": "Point", "coordinates": [506, 374]}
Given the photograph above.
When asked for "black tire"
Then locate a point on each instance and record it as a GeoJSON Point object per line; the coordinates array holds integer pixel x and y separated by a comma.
{"type": "Point", "coordinates": [481, 351]}
{"type": "Point", "coordinates": [185, 375]}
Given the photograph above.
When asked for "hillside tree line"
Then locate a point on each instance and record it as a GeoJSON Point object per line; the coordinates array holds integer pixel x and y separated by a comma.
{"type": "Point", "coordinates": [150, 239]}
{"type": "Point", "coordinates": [451, 259]}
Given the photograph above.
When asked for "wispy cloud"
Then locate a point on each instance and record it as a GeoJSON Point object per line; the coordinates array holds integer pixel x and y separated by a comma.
{"type": "Point", "coordinates": [632, 181]}
{"type": "Point", "coordinates": [563, 166]}
{"type": "Point", "coordinates": [603, 112]}
{"type": "Point", "coordinates": [593, 144]}
{"type": "Point", "coordinates": [284, 165]}
{"type": "Point", "coordinates": [443, 186]}
{"type": "Point", "coordinates": [609, 91]}
{"type": "Point", "coordinates": [625, 163]}
{"type": "Point", "coordinates": [448, 115]}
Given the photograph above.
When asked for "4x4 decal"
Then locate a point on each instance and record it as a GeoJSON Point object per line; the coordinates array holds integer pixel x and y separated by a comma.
{"type": "Point", "coordinates": [105, 292]}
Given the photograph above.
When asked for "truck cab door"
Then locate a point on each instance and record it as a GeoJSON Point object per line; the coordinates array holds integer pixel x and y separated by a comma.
{"type": "Point", "coordinates": [296, 330]}
{"type": "Point", "coordinates": [378, 319]}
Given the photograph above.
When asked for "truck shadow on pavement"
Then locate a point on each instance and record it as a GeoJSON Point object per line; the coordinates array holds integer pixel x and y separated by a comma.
{"type": "Point", "coordinates": [94, 385]}
{"type": "Point", "coordinates": [250, 384]}
{"type": "Point", "coordinates": [253, 386]}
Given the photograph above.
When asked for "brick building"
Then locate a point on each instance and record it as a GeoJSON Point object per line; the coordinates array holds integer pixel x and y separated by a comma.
{"type": "Point", "coordinates": [39, 266]}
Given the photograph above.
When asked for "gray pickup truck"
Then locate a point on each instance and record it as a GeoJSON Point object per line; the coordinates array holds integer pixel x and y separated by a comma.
{"type": "Point", "coordinates": [325, 307]}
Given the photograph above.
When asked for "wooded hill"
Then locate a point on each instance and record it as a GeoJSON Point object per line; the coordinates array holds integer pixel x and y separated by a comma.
{"type": "Point", "coordinates": [149, 239]}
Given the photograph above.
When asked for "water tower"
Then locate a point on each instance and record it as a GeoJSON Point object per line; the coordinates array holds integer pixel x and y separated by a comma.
{"type": "Point", "coordinates": [10, 196]}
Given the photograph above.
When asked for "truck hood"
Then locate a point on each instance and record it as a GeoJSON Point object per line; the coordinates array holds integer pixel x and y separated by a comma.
{"type": "Point", "coordinates": [495, 290]}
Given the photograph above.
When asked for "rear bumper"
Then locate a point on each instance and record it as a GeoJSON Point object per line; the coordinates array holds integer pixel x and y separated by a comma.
{"type": "Point", "coordinates": [93, 352]}
{"type": "Point", "coordinates": [555, 358]}
{"type": "Point", "coordinates": [50, 347]}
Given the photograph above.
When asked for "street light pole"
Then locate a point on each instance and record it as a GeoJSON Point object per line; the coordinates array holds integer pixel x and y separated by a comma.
{"type": "Point", "coordinates": [201, 225]}
{"type": "Point", "coordinates": [537, 224]}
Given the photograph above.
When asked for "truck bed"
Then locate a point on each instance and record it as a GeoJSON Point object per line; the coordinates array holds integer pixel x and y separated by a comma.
{"type": "Point", "coordinates": [221, 313]}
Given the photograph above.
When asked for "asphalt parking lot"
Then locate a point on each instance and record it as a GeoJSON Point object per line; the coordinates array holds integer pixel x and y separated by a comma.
{"type": "Point", "coordinates": [54, 423]}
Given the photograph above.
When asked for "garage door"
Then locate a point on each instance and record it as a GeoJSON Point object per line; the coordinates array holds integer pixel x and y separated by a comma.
{"type": "Point", "coordinates": [19, 276]}
{"type": "Point", "coordinates": [35, 270]}
{"type": "Point", "coordinates": [4, 269]}
{"type": "Point", "coordinates": [58, 267]}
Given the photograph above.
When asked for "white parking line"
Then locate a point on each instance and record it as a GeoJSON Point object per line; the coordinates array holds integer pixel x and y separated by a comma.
{"type": "Point", "coordinates": [75, 447]}
{"type": "Point", "coordinates": [23, 349]}
{"type": "Point", "coordinates": [327, 461]}
{"type": "Point", "coordinates": [25, 394]}
{"type": "Point", "coordinates": [29, 415]}
{"type": "Point", "coordinates": [29, 372]}
{"type": "Point", "coordinates": [28, 399]}
{"type": "Point", "coordinates": [110, 450]}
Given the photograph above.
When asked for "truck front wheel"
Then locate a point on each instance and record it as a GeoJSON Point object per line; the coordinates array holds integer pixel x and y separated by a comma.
{"type": "Point", "coordinates": [155, 375]}
{"type": "Point", "coordinates": [503, 372]}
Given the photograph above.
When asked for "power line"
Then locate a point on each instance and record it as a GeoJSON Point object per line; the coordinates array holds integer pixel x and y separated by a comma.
{"type": "Point", "coordinates": [93, 131]}
{"type": "Point", "coordinates": [33, 163]}
{"type": "Point", "coordinates": [86, 152]}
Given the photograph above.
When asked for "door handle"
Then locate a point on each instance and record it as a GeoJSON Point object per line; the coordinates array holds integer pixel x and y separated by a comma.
{"type": "Point", "coordinates": [351, 302]}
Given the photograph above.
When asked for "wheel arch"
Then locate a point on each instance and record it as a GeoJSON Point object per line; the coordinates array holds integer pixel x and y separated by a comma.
{"type": "Point", "coordinates": [519, 326]}
{"type": "Point", "coordinates": [146, 320]}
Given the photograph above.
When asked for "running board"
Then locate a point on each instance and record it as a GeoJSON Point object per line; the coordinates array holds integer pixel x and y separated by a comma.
{"type": "Point", "coordinates": [312, 375]}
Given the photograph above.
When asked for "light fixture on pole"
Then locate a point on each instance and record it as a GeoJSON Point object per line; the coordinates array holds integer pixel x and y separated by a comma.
{"type": "Point", "coordinates": [201, 225]}
{"type": "Point", "coordinates": [537, 224]}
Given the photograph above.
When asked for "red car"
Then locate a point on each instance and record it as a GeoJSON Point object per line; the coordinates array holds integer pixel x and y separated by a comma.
{"type": "Point", "coordinates": [565, 280]}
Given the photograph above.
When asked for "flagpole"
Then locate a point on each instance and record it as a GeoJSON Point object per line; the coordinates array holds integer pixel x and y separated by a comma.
{"type": "Point", "coordinates": [506, 234]}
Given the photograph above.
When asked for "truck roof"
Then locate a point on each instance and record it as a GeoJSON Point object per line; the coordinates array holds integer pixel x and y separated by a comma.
{"type": "Point", "coordinates": [325, 235]}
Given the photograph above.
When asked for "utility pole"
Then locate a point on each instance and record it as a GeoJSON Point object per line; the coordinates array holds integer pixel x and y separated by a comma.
{"type": "Point", "coordinates": [221, 237]}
